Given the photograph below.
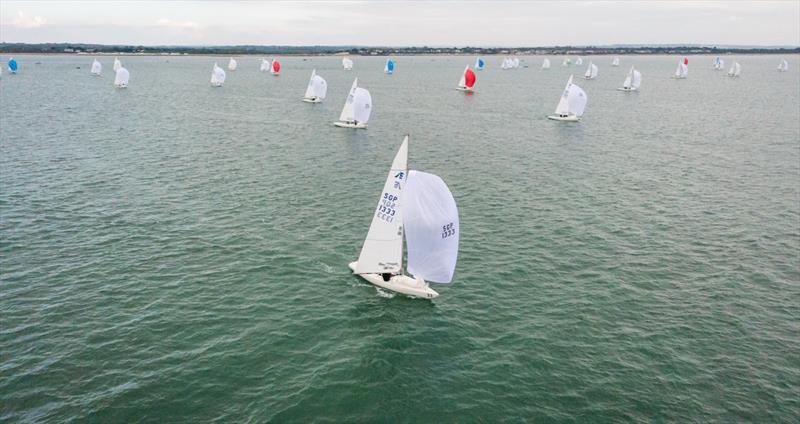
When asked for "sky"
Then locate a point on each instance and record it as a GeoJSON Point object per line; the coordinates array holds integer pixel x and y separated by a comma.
{"type": "Point", "coordinates": [402, 23]}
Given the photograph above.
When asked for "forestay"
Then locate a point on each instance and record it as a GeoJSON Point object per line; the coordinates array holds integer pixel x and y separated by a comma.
{"type": "Point", "coordinates": [431, 227]}
{"type": "Point", "coordinates": [383, 247]}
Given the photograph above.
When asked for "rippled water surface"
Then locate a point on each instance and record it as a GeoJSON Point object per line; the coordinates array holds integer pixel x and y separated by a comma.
{"type": "Point", "coordinates": [178, 253]}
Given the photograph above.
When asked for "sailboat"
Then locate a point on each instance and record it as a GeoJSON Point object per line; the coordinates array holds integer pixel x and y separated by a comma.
{"type": "Point", "coordinates": [467, 80]}
{"type": "Point", "coordinates": [578, 62]}
{"type": "Point", "coordinates": [121, 78]}
{"type": "Point", "coordinates": [718, 63]}
{"type": "Point", "coordinates": [347, 64]}
{"type": "Point", "coordinates": [683, 69]}
{"type": "Point", "coordinates": [389, 67]}
{"type": "Point", "coordinates": [546, 63]}
{"type": "Point", "coordinates": [265, 65]}
{"type": "Point", "coordinates": [506, 64]}
{"type": "Point", "coordinates": [232, 64]}
{"type": "Point", "coordinates": [96, 68]}
{"type": "Point", "coordinates": [515, 62]}
{"type": "Point", "coordinates": [571, 105]}
{"type": "Point", "coordinates": [615, 62]}
{"type": "Point", "coordinates": [276, 67]}
{"type": "Point", "coordinates": [479, 64]}
{"type": "Point", "coordinates": [566, 62]}
{"type": "Point", "coordinates": [217, 76]}
{"type": "Point", "coordinates": [317, 88]}
{"type": "Point", "coordinates": [632, 81]}
{"type": "Point", "coordinates": [591, 71]}
{"type": "Point", "coordinates": [735, 70]}
{"type": "Point", "coordinates": [357, 108]}
{"type": "Point", "coordinates": [783, 66]}
{"type": "Point", "coordinates": [418, 207]}
{"type": "Point", "coordinates": [12, 65]}
{"type": "Point", "coordinates": [117, 64]}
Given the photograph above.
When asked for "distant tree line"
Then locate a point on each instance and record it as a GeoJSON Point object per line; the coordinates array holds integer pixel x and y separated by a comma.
{"type": "Point", "coordinates": [45, 48]}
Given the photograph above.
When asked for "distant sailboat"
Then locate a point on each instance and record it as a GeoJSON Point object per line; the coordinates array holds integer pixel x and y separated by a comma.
{"type": "Point", "coordinates": [718, 63]}
{"type": "Point", "coordinates": [683, 69]}
{"type": "Point", "coordinates": [591, 71]}
{"type": "Point", "coordinates": [357, 108]}
{"type": "Point", "coordinates": [632, 81]}
{"type": "Point", "coordinates": [783, 66]}
{"type": "Point", "coordinates": [578, 62]}
{"type": "Point", "coordinates": [567, 61]}
{"type": "Point", "coordinates": [467, 80]}
{"type": "Point", "coordinates": [479, 64]}
{"type": "Point", "coordinates": [347, 64]}
{"type": "Point", "coordinates": [317, 89]}
{"type": "Point", "coordinates": [419, 207]}
{"type": "Point", "coordinates": [232, 64]}
{"type": "Point", "coordinates": [735, 70]}
{"type": "Point", "coordinates": [12, 65]}
{"type": "Point", "coordinates": [515, 62]}
{"type": "Point", "coordinates": [389, 67]}
{"type": "Point", "coordinates": [506, 63]}
{"type": "Point", "coordinates": [96, 68]}
{"type": "Point", "coordinates": [546, 63]}
{"type": "Point", "coordinates": [122, 78]}
{"type": "Point", "coordinates": [615, 62]}
{"type": "Point", "coordinates": [117, 64]}
{"type": "Point", "coordinates": [571, 105]}
{"type": "Point", "coordinates": [217, 76]}
{"type": "Point", "coordinates": [275, 69]}
{"type": "Point", "coordinates": [265, 65]}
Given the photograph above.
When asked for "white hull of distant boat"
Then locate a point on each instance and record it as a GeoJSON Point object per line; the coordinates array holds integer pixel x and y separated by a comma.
{"type": "Point", "coordinates": [627, 89]}
{"type": "Point", "coordinates": [467, 89]}
{"type": "Point", "coordinates": [341, 124]}
{"type": "Point", "coordinates": [564, 118]}
{"type": "Point", "coordinates": [416, 287]}
{"type": "Point", "coordinates": [312, 100]}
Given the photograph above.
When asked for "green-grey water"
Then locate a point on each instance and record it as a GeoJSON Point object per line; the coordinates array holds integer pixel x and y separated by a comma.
{"type": "Point", "coordinates": [174, 252]}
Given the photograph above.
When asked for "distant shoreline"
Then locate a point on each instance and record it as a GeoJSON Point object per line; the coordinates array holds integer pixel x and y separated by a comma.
{"type": "Point", "coordinates": [245, 50]}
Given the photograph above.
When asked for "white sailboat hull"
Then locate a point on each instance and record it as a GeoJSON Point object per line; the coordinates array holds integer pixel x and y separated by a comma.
{"type": "Point", "coordinates": [216, 84]}
{"type": "Point", "coordinates": [404, 284]}
{"type": "Point", "coordinates": [569, 118]}
{"type": "Point", "coordinates": [350, 125]}
{"type": "Point", "coordinates": [312, 100]}
{"type": "Point", "coordinates": [627, 89]}
{"type": "Point", "coordinates": [464, 89]}
{"type": "Point", "coordinates": [121, 85]}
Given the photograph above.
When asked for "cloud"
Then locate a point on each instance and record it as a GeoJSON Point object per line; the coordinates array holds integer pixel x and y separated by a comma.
{"type": "Point", "coordinates": [169, 23]}
{"type": "Point", "coordinates": [27, 22]}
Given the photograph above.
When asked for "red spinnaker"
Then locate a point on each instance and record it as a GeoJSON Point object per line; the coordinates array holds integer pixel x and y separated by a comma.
{"type": "Point", "coordinates": [276, 66]}
{"type": "Point", "coordinates": [686, 61]}
{"type": "Point", "coordinates": [469, 78]}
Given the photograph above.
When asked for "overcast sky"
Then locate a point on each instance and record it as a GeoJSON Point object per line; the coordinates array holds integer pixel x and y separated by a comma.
{"type": "Point", "coordinates": [397, 23]}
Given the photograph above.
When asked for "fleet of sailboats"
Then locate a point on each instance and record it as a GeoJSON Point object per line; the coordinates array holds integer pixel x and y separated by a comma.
{"type": "Point", "coordinates": [632, 81]}
{"type": "Point", "coordinates": [96, 68]}
{"type": "Point", "coordinates": [418, 208]}
{"type": "Point", "coordinates": [467, 80]}
{"type": "Point", "coordinates": [357, 108]}
{"type": "Point", "coordinates": [591, 71]}
{"type": "Point", "coordinates": [217, 76]}
{"type": "Point", "coordinates": [317, 89]}
{"type": "Point", "coordinates": [571, 105]}
{"type": "Point", "coordinates": [122, 77]}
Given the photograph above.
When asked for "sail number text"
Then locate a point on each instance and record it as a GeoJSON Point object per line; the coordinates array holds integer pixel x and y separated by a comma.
{"type": "Point", "coordinates": [386, 207]}
{"type": "Point", "coordinates": [448, 230]}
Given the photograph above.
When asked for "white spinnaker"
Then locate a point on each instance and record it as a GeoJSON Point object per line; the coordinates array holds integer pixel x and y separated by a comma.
{"type": "Point", "coordinates": [579, 61]}
{"type": "Point", "coordinates": [96, 67]}
{"type": "Point", "coordinates": [577, 100]}
{"type": "Point", "coordinates": [563, 105]}
{"type": "Point", "coordinates": [217, 75]}
{"type": "Point", "coordinates": [637, 79]}
{"type": "Point", "coordinates": [737, 69]}
{"type": "Point", "coordinates": [546, 64]}
{"type": "Point", "coordinates": [431, 227]}
{"type": "Point", "coordinates": [462, 83]}
{"type": "Point", "coordinates": [362, 105]}
{"type": "Point", "coordinates": [310, 89]}
{"type": "Point", "coordinates": [117, 64]}
{"type": "Point", "coordinates": [265, 65]}
{"type": "Point", "coordinates": [383, 247]}
{"type": "Point", "coordinates": [347, 64]}
{"type": "Point", "coordinates": [347, 110]}
{"type": "Point", "coordinates": [122, 77]}
{"type": "Point", "coordinates": [232, 64]}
